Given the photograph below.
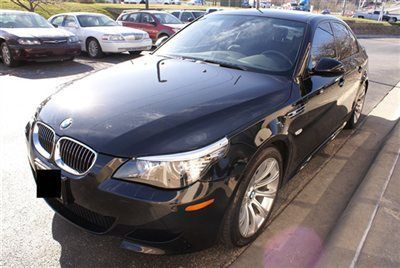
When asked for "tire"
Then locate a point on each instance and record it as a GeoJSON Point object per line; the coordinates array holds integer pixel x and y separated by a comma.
{"type": "Point", "coordinates": [7, 56]}
{"type": "Point", "coordinates": [360, 17]}
{"type": "Point", "coordinates": [93, 48]}
{"type": "Point", "coordinates": [357, 109]}
{"type": "Point", "coordinates": [135, 52]}
{"type": "Point", "coordinates": [394, 20]}
{"type": "Point", "coordinates": [233, 229]}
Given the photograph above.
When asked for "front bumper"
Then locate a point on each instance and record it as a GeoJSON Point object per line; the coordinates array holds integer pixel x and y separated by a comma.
{"type": "Point", "coordinates": [45, 52]}
{"type": "Point", "coordinates": [123, 46]}
{"type": "Point", "coordinates": [149, 219]}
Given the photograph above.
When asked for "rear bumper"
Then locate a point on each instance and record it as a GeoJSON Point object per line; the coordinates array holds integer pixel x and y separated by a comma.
{"type": "Point", "coordinates": [117, 47]}
{"type": "Point", "coordinates": [45, 52]}
{"type": "Point", "coordinates": [148, 219]}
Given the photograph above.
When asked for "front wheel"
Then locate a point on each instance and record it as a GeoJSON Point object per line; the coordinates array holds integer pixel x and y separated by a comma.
{"type": "Point", "coordinates": [253, 202]}
{"type": "Point", "coordinates": [357, 110]}
{"type": "Point", "coordinates": [7, 57]}
{"type": "Point", "coordinates": [94, 49]}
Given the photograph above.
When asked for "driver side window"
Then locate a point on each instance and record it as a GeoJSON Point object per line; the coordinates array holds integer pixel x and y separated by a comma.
{"type": "Point", "coordinates": [70, 22]}
{"type": "Point", "coordinates": [323, 45]}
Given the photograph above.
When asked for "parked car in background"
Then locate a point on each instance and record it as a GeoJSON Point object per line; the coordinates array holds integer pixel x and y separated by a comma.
{"type": "Point", "coordinates": [190, 145]}
{"type": "Point", "coordinates": [133, 2]}
{"type": "Point", "coordinates": [196, 2]}
{"type": "Point", "coordinates": [372, 15]}
{"type": "Point", "coordinates": [171, 2]}
{"type": "Point", "coordinates": [158, 24]}
{"type": "Point", "coordinates": [27, 36]}
{"type": "Point", "coordinates": [213, 9]}
{"type": "Point", "coordinates": [393, 17]}
{"type": "Point", "coordinates": [187, 16]}
{"type": "Point", "coordinates": [99, 34]}
{"type": "Point", "coordinates": [325, 12]}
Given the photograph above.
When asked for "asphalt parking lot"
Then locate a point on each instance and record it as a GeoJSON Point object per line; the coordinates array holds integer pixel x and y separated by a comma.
{"type": "Point", "coordinates": [32, 235]}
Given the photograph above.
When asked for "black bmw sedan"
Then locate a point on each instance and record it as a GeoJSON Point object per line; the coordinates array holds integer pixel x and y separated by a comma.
{"type": "Point", "coordinates": [188, 145]}
{"type": "Point", "coordinates": [27, 36]}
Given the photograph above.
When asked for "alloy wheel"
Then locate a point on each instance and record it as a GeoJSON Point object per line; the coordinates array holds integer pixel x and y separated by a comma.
{"type": "Point", "coordinates": [259, 197]}
{"type": "Point", "coordinates": [93, 48]}
{"type": "Point", "coordinates": [6, 54]}
{"type": "Point", "coordinates": [359, 106]}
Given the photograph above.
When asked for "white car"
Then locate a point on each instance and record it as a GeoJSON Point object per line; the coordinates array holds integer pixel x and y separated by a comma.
{"type": "Point", "coordinates": [99, 34]}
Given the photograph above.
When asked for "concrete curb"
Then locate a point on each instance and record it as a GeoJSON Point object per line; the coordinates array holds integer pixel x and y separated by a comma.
{"type": "Point", "coordinates": [346, 243]}
{"type": "Point", "coordinates": [345, 246]}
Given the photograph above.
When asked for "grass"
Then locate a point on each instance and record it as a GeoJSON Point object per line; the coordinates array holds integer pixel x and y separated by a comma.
{"type": "Point", "coordinates": [108, 9]}
{"type": "Point", "coordinates": [364, 21]}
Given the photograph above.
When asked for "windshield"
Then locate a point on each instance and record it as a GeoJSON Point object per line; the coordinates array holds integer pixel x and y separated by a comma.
{"type": "Point", "coordinates": [245, 42]}
{"type": "Point", "coordinates": [95, 21]}
{"type": "Point", "coordinates": [23, 20]}
{"type": "Point", "coordinates": [165, 18]}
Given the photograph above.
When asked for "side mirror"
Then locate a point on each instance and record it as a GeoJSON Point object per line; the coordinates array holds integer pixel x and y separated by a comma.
{"type": "Point", "coordinates": [190, 19]}
{"type": "Point", "coordinates": [328, 67]}
{"type": "Point", "coordinates": [55, 25]}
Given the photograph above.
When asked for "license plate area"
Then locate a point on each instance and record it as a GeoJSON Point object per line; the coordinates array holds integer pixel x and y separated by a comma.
{"type": "Point", "coordinates": [48, 183]}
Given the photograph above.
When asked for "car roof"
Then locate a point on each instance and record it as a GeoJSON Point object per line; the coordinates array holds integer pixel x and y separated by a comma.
{"type": "Point", "coordinates": [189, 10]}
{"type": "Point", "coordinates": [15, 11]}
{"type": "Point", "coordinates": [152, 11]}
{"type": "Point", "coordinates": [300, 16]}
{"type": "Point", "coordinates": [79, 13]}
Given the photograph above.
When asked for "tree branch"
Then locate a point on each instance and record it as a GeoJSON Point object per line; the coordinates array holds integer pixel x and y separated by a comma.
{"type": "Point", "coordinates": [20, 4]}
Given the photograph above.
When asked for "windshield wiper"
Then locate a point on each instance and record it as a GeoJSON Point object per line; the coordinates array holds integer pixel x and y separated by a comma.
{"type": "Point", "coordinates": [226, 64]}
{"type": "Point", "coordinates": [219, 63]}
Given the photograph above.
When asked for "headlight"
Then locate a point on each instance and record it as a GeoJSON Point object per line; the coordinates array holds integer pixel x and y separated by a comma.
{"type": "Point", "coordinates": [113, 37]}
{"type": "Point", "coordinates": [174, 170]}
{"type": "Point", "coordinates": [73, 39]}
{"type": "Point", "coordinates": [146, 36]}
{"type": "Point", "coordinates": [28, 41]}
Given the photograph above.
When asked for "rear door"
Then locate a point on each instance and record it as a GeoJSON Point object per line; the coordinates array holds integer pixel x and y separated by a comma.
{"type": "Point", "coordinates": [132, 20]}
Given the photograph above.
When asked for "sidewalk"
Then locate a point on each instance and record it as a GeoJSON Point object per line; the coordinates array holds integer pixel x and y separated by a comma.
{"type": "Point", "coordinates": [367, 235]}
{"type": "Point", "coordinates": [322, 225]}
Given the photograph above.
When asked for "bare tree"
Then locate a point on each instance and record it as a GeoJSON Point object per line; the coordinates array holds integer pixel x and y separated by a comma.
{"type": "Point", "coordinates": [31, 5]}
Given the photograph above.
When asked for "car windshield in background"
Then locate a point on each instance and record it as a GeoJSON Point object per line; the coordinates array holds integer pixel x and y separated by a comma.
{"type": "Point", "coordinates": [243, 42]}
{"type": "Point", "coordinates": [95, 21]}
{"type": "Point", "coordinates": [167, 18]}
{"type": "Point", "coordinates": [23, 20]}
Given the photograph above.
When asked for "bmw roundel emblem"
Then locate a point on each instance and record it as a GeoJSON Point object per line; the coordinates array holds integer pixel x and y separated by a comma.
{"type": "Point", "coordinates": [66, 123]}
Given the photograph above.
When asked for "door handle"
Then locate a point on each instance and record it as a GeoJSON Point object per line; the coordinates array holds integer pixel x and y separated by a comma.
{"type": "Point", "coordinates": [298, 110]}
{"type": "Point", "coordinates": [341, 82]}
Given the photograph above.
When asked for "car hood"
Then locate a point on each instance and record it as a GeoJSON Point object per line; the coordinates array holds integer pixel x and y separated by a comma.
{"type": "Point", "coordinates": [113, 30]}
{"type": "Point", "coordinates": [154, 105]}
{"type": "Point", "coordinates": [38, 32]}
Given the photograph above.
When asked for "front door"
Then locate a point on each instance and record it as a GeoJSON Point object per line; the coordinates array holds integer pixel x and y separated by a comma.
{"type": "Point", "coordinates": [314, 117]}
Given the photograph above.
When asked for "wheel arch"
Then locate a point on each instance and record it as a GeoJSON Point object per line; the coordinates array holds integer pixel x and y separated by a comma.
{"type": "Point", "coordinates": [88, 39]}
